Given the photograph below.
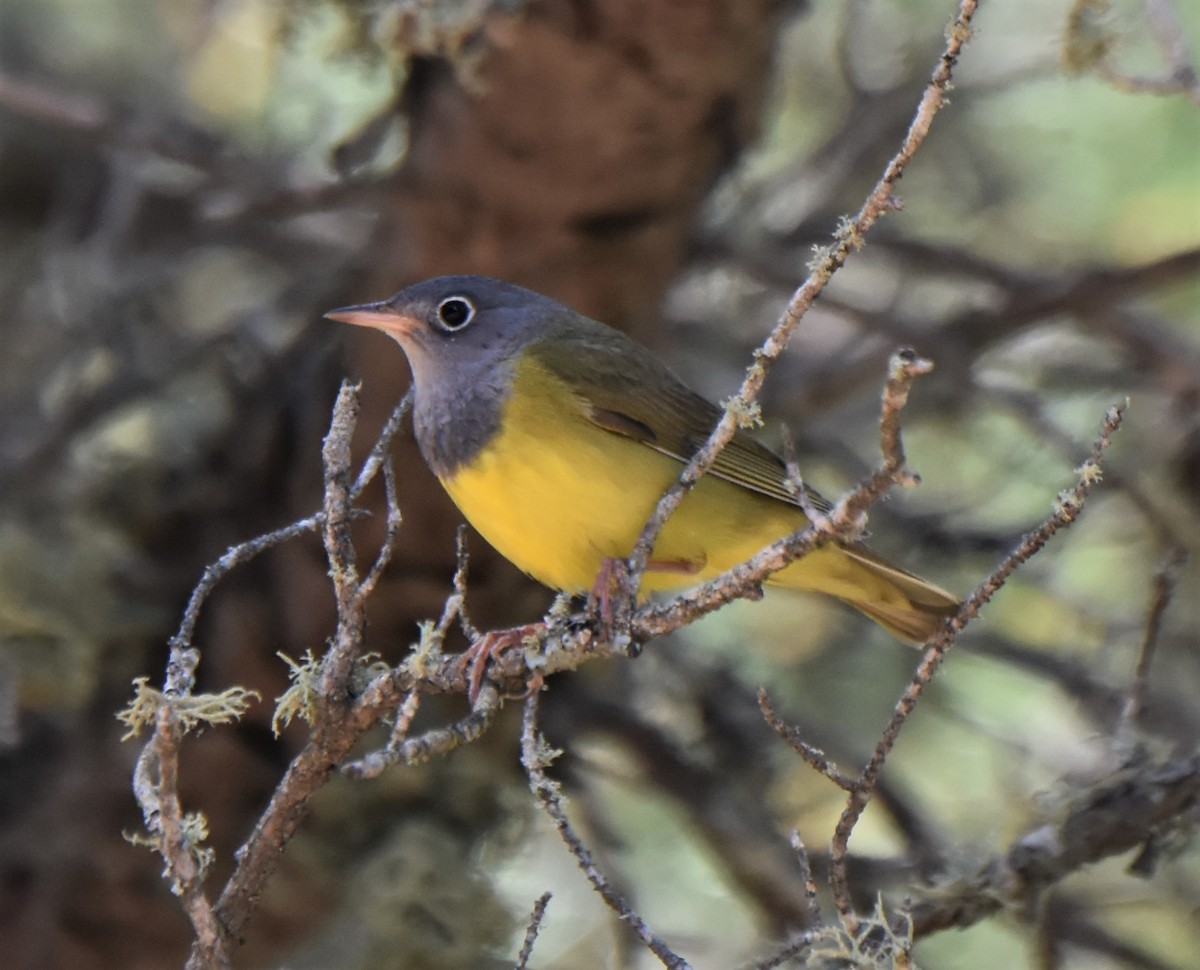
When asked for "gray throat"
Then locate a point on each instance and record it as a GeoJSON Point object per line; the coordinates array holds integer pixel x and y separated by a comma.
{"type": "Point", "coordinates": [455, 419]}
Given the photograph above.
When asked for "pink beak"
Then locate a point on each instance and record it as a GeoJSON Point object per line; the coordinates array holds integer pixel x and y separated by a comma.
{"type": "Point", "coordinates": [381, 316]}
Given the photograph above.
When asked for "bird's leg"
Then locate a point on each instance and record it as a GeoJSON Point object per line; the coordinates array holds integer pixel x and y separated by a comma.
{"type": "Point", "coordinates": [474, 659]}
{"type": "Point", "coordinates": [612, 599]}
{"type": "Point", "coordinates": [610, 580]}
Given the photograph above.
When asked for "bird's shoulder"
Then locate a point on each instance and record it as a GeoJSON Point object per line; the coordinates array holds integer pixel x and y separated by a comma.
{"type": "Point", "coordinates": [623, 388]}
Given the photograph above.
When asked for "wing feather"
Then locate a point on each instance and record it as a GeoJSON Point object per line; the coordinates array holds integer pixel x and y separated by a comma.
{"type": "Point", "coordinates": [624, 389]}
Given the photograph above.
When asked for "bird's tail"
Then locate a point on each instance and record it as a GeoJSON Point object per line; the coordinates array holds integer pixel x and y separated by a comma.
{"type": "Point", "coordinates": [905, 605]}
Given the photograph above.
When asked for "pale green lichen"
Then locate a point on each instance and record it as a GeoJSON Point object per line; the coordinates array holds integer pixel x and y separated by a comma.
{"type": "Point", "coordinates": [191, 711]}
{"type": "Point", "coordinates": [300, 699]}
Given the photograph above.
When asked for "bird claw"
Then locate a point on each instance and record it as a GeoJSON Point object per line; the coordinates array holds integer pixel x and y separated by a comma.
{"type": "Point", "coordinates": [474, 660]}
{"type": "Point", "coordinates": [610, 580]}
{"type": "Point", "coordinates": [612, 600]}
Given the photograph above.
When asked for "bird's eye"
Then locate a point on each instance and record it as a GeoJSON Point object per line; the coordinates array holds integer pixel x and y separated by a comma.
{"type": "Point", "coordinates": [455, 312]}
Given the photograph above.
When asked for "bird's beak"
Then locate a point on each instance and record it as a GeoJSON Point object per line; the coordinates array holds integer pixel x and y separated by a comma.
{"type": "Point", "coordinates": [381, 316]}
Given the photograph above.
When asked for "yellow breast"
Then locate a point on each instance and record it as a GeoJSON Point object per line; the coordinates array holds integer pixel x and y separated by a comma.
{"type": "Point", "coordinates": [556, 495]}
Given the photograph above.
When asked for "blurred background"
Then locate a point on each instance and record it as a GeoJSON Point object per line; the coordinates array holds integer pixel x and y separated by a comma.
{"type": "Point", "coordinates": [186, 187]}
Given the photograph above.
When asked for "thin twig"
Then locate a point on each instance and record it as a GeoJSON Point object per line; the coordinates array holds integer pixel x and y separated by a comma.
{"type": "Point", "coordinates": [232, 558]}
{"type": "Point", "coordinates": [392, 535]}
{"type": "Point", "coordinates": [1067, 510]}
{"type": "Point", "coordinates": [456, 605]}
{"type": "Point", "coordinates": [156, 785]}
{"type": "Point", "coordinates": [810, 884]}
{"type": "Point", "coordinates": [1165, 581]}
{"type": "Point", "coordinates": [534, 756]}
{"type": "Point", "coordinates": [794, 949]}
{"type": "Point", "coordinates": [850, 236]}
{"type": "Point", "coordinates": [404, 718]}
{"type": "Point", "coordinates": [531, 931]}
{"type": "Point", "coordinates": [383, 444]}
{"type": "Point", "coordinates": [434, 742]}
{"type": "Point", "coordinates": [814, 757]}
{"type": "Point", "coordinates": [844, 521]}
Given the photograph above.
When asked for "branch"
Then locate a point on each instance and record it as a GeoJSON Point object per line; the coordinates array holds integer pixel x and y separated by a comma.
{"type": "Point", "coordinates": [844, 521]}
{"type": "Point", "coordinates": [1165, 581]}
{"type": "Point", "coordinates": [1123, 811]}
{"type": "Point", "coordinates": [1067, 509]}
{"type": "Point", "coordinates": [535, 755]}
{"type": "Point", "coordinates": [850, 237]}
{"type": "Point", "coordinates": [532, 930]}
{"type": "Point", "coordinates": [336, 727]}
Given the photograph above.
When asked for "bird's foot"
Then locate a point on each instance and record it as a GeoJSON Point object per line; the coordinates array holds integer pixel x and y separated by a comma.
{"type": "Point", "coordinates": [612, 601]}
{"type": "Point", "coordinates": [474, 660]}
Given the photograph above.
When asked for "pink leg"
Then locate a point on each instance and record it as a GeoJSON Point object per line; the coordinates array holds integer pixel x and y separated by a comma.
{"type": "Point", "coordinates": [608, 580]}
{"type": "Point", "coordinates": [611, 577]}
{"type": "Point", "coordinates": [489, 647]}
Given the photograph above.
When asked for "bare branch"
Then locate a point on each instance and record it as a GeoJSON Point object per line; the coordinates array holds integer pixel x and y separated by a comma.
{"type": "Point", "coordinates": [1122, 811]}
{"type": "Point", "coordinates": [436, 741]}
{"type": "Point", "coordinates": [535, 756]}
{"type": "Point", "coordinates": [845, 521]}
{"type": "Point", "coordinates": [339, 723]}
{"type": "Point", "coordinates": [383, 444]}
{"type": "Point", "coordinates": [176, 836]}
{"type": "Point", "coordinates": [1067, 509]}
{"type": "Point", "coordinates": [815, 757]}
{"type": "Point", "coordinates": [532, 930]}
{"type": "Point", "coordinates": [1165, 581]}
{"type": "Point", "coordinates": [850, 237]}
{"type": "Point", "coordinates": [810, 885]}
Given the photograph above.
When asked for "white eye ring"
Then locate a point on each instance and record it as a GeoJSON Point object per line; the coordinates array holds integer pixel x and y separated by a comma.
{"type": "Point", "coordinates": [455, 312]}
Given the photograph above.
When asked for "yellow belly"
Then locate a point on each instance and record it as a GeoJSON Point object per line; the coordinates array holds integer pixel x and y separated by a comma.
{"type": "Point", "coordinates": [557, 495]}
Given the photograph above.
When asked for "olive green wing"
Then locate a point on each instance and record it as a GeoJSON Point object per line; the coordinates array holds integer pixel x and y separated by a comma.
{"type": "Point", "coordinates": [624, 389]}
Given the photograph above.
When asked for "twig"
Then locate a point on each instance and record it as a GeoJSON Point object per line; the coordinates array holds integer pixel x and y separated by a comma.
{"type": "Point", "coordinates": [1121, 812]}
{"type": "Point", "coordinates": [1029, 409]}
{"type": "Point", "coordinates": [180, 677]}
{"type": "Point", "coordinates": [843, 521]}
{"type": "Point", "coordinates": [388, 547]}
{"type": "Point", "coordinates": [436, 741]}
{"type": "Point", "coordinates": [340, 720]}
{"type": "Point", "coordinates": [1165, 580]}
{"type": "Point", "coordinates": [532, 930]}
{"type": "Point", "coordinates": [404, 718]}
{"type": "Point", "coordinates": [794, 949]}
{"type": "Point", "coordinates": [156, 785]}
{"type": "Point", "coordinates": [850, 236]}
{"type": "Point", "coordinates": [810, 885]}
{"type": "Point", "coordinates": [456, 605]}
{"type": "Point", "coordinates": [1067, 509]}
{"type": "Point", "coordinates": [534, 756]}
{"type": "Point", "coordinates": [815, 757]}
{"type": "Point", "coordinates": [382, 447]}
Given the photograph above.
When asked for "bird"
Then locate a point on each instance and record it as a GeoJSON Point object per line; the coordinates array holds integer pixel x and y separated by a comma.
{"type": "Point", "coordinates": [556, 435]}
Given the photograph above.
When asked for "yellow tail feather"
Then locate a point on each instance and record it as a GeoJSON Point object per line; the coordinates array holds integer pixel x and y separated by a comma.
{"type": "Point", "coordinates": [905, 605]}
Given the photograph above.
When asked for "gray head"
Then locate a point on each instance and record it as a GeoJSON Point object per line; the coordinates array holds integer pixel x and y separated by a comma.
{"type": "Point", "coordinates": [462, 336]}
